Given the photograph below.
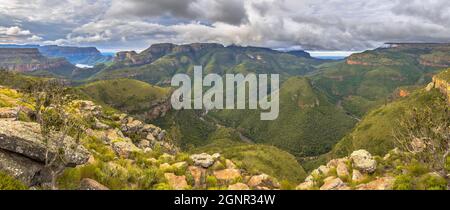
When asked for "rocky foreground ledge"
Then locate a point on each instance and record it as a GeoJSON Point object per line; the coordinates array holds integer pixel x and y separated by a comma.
{"type": "Point", "coordinates": [361, 171]}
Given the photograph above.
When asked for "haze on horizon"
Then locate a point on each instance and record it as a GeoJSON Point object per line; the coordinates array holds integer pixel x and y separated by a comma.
{"type": "Point", "coordinates": [314, 25]}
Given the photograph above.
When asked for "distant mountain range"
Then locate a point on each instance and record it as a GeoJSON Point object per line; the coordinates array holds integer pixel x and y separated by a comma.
{"type": "Point", "coordinates": [89, 56]}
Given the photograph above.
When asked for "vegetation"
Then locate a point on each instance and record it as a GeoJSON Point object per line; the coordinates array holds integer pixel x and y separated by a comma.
{"type": "Point", "coordinates": [131, 96]}
{"type": "Point", "coordinates": [9, 183]}
{"type": "Point", "coordinates": [375, 133]}
{"type": "Point", "coordinates": [258, 158]}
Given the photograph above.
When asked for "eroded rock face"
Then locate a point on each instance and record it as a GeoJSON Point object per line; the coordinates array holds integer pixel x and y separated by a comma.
{"type": "Point", "coordinates": [28, 171]}
{"type": "Point", "coordinates": [363, 161]}
{"type": "Point", "coordinates": [25, 138]}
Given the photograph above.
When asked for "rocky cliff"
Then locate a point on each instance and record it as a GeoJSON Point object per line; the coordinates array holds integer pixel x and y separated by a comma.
{"type": "Point", "coordinates": [30, 59]}
{"type": "Point", "coordinates": [159, 50]}
{"type": "Point", "coordinates": [75, 55]}
{"type": "Point", "coordinates": [442, 82]}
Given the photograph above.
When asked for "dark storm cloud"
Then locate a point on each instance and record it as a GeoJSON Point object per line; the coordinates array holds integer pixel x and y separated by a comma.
{"type": "Point", "coordinates": [228, 11]}
{"type": "Point", "coordinates": [310, 24]}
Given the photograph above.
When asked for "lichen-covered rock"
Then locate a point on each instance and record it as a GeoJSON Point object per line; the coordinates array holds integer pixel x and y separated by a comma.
{"type": "Point", "coordinates": [25, 138]}
{"type": "Point", "coordinates": [204, 160]}
{"type": "Point", "coordinates": [176, 182]}
{"type": "Point", "coordinates": [90, 184]}
{"type": "Point", "coordinates": [363, 161]}
{"type": "Point", "coordinates": [238, 186]}
{"type": "Point", "coordinates": [24, 169]}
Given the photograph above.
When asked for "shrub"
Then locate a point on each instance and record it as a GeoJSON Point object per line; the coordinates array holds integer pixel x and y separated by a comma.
{"type": "Point", "coordinates": [403, 182]}
{"type": "Point", "coordinates": [432, 182]}
{"type": "Point", "coordinates": [9, 183]}
{"type": "Point", "coordinates": [211, 181]}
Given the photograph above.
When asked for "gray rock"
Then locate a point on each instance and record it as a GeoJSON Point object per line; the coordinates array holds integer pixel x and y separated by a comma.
{"type": "Point", "coordinates": [24, 169]}
{"type": "Point", "coordinates": [204, 160]}
{"type": "Point", "coordinates": [363, 161]}
{"type": "Point", "coordinates": [25, 138]}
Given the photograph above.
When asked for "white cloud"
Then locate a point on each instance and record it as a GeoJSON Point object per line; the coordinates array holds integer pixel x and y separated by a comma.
{"type": "Point", "coordinates": [13, 31]}
{"type": "Point", "coordinates": [311, 24]}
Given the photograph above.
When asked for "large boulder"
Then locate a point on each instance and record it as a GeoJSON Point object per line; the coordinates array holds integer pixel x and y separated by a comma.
{"type": "Point", "coordinates": [25, 138]}
{"type": "Point", "coordinates": [204, 160]}
{"type": "Point", "coordinates": [363, 161]}
{"type": "Point", "coordinates": [24, 169]}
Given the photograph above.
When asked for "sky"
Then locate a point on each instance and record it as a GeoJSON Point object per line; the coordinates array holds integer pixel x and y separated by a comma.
{"type": "Point", "coordinates": [315, 25]}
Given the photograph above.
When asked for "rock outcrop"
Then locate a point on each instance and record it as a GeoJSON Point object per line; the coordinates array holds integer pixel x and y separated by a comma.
{"type": "Point", "coordinates": [30, 59]}
{"type": "Point", "coordinates": [23, 152]}
{"type": "Point", "coordinates": [442, 83]}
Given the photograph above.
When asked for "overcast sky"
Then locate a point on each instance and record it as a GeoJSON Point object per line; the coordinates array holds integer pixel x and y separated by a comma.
{"type": "Point", "coordinates": [295, 24]}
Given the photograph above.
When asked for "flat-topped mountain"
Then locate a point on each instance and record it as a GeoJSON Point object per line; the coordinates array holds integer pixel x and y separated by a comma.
{"type": "Point", "coordinates": [75, 55]}
{"type": "Point", "coordinates": [160, 62]}
{"type": "Point", "coordinates": [30, 59]}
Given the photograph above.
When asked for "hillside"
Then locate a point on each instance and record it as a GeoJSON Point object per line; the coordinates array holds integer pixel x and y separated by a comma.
{"type": "Point", "coordinates": [308, 123]}
{"type": "Point", "coordinates": [367, 80]}
{"type": "Point", "coordinates": [30, 60]}
{"type": "Point", "coordinates": [160, 62]}
{"type": "Point", "coordinates": [127, 95]}
{"type": "Point", "coordinates": [117, 151]}
{"type": "Point", "coordinates": [75, 55]}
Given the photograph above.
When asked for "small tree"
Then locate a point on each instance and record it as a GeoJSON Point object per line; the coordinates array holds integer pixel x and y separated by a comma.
{"type": "Point", "coordinates": [49, 100]}
{"type": "Point", "coordinates": [426, 134]}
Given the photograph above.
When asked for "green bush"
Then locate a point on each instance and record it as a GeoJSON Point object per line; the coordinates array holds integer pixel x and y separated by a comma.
{"type": "Point", "coordinates": [432, 182]}
{"type": "Point", "coordinates": [403, 182]}
{"type": "Point", "coordinates": [9, 183]}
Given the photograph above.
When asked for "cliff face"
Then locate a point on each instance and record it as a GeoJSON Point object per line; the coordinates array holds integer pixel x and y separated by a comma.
{"type": "Point", "coordinates": [159, 50]}
{"type": "Point", "coordinates": [442, 83]}
{"type": "Point", "coordinates": [75, 55]}
{"type": "Point", "coordinates": [29, 59]}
